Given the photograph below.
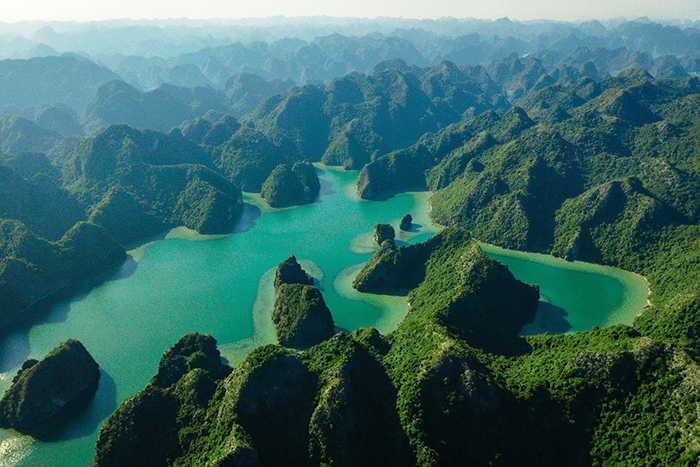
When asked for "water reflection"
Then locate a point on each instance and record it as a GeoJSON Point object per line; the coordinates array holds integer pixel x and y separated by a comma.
{"type": "Point", "coordinates": [549, 318]}
{"type": "Point", "coordinates": [88, 419]}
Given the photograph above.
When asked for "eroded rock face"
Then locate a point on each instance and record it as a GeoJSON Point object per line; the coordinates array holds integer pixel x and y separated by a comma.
{"type": "Point", "coordinates": [144, 430]}
{"type": "Point", "coordinates": [289, 271]}
{"type": "Point", "coordinates": [45, 394]}
{"type": "Point", "coordinates": [300, 314]}
{"type": "Point", "coordinates": [301, 317]}
{"type": "Point", "coordinates": [406, 223]}
{"type": "Point", "coordinates": [383, 232]}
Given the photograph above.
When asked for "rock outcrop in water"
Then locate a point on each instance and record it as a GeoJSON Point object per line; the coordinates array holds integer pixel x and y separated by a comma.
{"type": "Point", "coordinates": [45, 394]}
{"type": "Point", "coordinates": [289, 271]}
{"type": "Point", "coordinates": [406, 222]}
{"type": "Point", "coordinates": [383, 232]}
{"type": "Point", "coordinates": [291, 185]}
{"type": "Point", "coordinates": [454, 384]}
{"type": "Point", "coordinates": [300, 314]}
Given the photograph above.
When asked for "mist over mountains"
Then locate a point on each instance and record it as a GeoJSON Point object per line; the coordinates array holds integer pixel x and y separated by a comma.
{"type": "Point", "coordinates": [578, 140]}
{"type": "Point", "coordinates": [306, 50]}
{"type": "Point", "coordinates": [237, 63]}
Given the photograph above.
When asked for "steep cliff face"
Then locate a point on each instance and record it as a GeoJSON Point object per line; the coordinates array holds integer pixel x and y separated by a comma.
{"type": "Point", "coordinates": [449, 274]}
{"type": "Point", "coordinates": [45, 394]}
{"type": "Point", "coordinates": [453, 385]}
{"type": "Point", "coordinates": [300, 314]}
{"type": "Point", "coordinates": [289, 271]}
{"type": "Point", "coordinates": [406, 223]}
{"type": "Point", "coordinates": [383, 232]}
{"type": "Point", "coordinates": [144, 430]}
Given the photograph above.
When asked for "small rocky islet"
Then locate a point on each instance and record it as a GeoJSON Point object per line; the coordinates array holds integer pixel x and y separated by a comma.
{"type": "Point", "coordinates": [300, 315]}
{"type": "Point", "coordinates": [45, 394]}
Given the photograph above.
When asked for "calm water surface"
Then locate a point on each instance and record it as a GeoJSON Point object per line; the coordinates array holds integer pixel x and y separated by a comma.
{"type": "Point", "coordinates": [222, 286]}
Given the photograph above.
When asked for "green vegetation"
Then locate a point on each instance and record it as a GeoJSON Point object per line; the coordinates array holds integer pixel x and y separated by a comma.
{"type": "Point", "coordinates": [300, 315]}
{"type": "Point", "coordinates": [356, 118]}
{"type": "Point", "coordinates": [64, 220]}
{"type": "Point", "coordinates": [45, 394]}
{"type": "Point", "coordinates": [291, 185]}
{"type": "Point", "coordinates": [605, 172]}
{"type": "Point", "coordinates": [597, 170]}
{"type": "Point", "coordinates": [383, 232]}
{"type": "Point", "coordinates": [453, 384]}
{"type": "Point", "coordinates": [289, 271]}
{"type": "Point", "coordinates": [34, 269]}
{"type": "Point", "coordinates": [161, 109]}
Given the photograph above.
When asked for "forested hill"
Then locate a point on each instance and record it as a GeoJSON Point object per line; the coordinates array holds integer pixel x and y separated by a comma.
{"type": "Point", "coordinates": [312, 50]}
{"type": "Point", "coordinates": [553, 142]}
{"type": "Point", "coordinates": [603, 171]}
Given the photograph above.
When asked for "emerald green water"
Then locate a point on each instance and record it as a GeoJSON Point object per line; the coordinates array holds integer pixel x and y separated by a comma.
{"type": "Point", "coordinates": [222, 286]}
{"type": "Point", "coordinates": [575, 296]}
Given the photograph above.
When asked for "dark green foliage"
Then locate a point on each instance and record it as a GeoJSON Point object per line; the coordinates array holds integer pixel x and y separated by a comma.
{"type": "Point", "coordinates": [142, 431]}
{"type": "Point", "coordinates": [244, 91]}
{"type": "Point", "coordinates": [61, 119]}
{"type": "Point", "coordinates": [159, 172]}
{"type": "Point", "coordinates": [34, 269]}
{"type": "Point", "coordinates": [31, 164]}
{"type": "Point", "coordinates": [249, 156]}
{"type": "Point", "coordinates": [300, 315]}
{"type": "Point", "coordinates": [355, 145]}
{"type": "Point", "coordinates": [208, 203]}
{"type": "Point", "coordinates": [124, 217]}
{"type": "Point", "coordinates": [86, 249]}
{"type": "Point", "coordinates": [356, 119]}
{"type": "Point", "coordinates": [18, 134]}
{"type": "Point", "coordinates": [452, 385]}
{"type": "Point", "coordinates": [148, 428]}
{"type": "Point", "coordinates": [207, 132]}
{"type": "Point", "coordinates": [132, 184]}
{"type": "Point", "coordinates": [45, 394]}
{"type": "Point", "coordinates": [298, 115]}
{"type": "Point", "coordinates": [604, 171]}
{"type": "Point", "coordinates": [383, 232]}
{"type": "Point", "coordinates": [273, 401]}
{"type": "Point", "coordinates": [610, 185]}
{"type": "Point", "coordinates": [355, 420]}
{"type": "Point", "coordinates": [191, 351]}
{"type": "Point", "coordinates": [160, 109]}
{"type": "Point", "coordinates": [289, 271]}
{"type": "Point", "coordinates": [291, 185]}
{"type": "Point", "coordinates": [48, 210]}
{"type": "Point", "coordinates": [454, 281]}
{"type": "Point", "coordinates": [394, 269]}
{"type": "Point", "coordinates": [436, 159]}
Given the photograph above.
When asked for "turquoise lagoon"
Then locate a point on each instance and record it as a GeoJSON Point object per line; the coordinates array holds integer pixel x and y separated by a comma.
{"type": "Point", "coordinates": [222, 285]}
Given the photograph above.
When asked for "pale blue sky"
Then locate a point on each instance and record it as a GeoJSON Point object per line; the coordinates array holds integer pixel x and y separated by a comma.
{"type": "Point", "coordinates": [86, 10]}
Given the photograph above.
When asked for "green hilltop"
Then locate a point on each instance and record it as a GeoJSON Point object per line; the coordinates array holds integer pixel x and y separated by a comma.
{"type": "Point", "coordinates": [563, 161]}
{"type": "Point", "coordinates": [453, 384]}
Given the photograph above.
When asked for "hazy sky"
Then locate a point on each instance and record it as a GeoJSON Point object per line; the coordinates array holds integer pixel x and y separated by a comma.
{"type": "Point", "coordinates": [86, 10]}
